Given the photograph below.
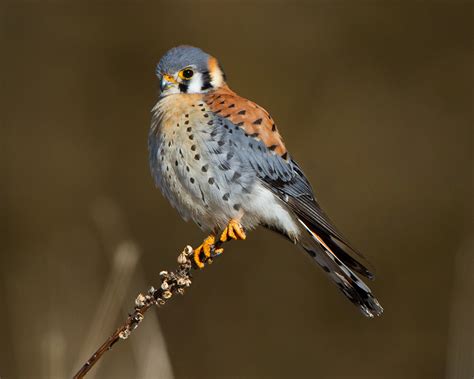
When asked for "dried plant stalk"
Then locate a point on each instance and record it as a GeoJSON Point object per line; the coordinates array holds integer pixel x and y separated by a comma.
{"type": "Point", "coordinates": [173, 282]}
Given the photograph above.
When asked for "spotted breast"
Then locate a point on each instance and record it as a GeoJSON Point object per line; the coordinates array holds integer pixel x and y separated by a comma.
{"type": "Point", "coordinates": [208, 167]}
{"type": "Point", "coordinates": [195, 167]}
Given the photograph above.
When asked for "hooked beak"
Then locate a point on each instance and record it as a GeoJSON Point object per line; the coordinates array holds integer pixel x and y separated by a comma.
{"type": "Point", "coordinates": [166, 82]}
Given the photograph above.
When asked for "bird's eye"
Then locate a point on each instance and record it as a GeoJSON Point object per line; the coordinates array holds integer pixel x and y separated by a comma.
{"type": "Point", "coordinates": [186, 74]}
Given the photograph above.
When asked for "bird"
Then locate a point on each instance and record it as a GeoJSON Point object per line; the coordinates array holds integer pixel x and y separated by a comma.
{"type": "Point", "coordinates": [220, 160]}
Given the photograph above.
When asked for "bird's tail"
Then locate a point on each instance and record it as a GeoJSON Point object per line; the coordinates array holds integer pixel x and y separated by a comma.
{"type": "Point", "coordinates": [333, 264]}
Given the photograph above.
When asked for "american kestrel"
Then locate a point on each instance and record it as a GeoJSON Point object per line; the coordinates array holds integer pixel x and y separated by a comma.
{"type": "Point", "coordinates": [220, 161]}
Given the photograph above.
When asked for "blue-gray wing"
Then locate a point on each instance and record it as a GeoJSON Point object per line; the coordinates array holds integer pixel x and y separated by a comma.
{"type": "Point", "coordinates": [283, 176]}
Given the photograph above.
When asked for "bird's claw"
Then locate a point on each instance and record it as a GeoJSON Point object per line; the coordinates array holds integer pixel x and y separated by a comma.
{"type": "Point", "coordinates": [205, 248]}
{"type": "Point", "coordinates": [233, 231]}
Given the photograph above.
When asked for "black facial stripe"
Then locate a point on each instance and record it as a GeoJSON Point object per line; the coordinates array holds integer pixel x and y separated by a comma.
{"type": "Point", "coordinates": [183, 87]}
{"type": "Point", "coordinates": [206, 81]}
{"type": "Point", "coordinates": [222, 70]}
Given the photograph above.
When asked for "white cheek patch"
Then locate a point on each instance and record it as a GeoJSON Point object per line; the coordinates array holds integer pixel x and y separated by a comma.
{"type": "Point", "coordinates": [196, 83]}
{"type": "Point", "coordinates": [217, 78]}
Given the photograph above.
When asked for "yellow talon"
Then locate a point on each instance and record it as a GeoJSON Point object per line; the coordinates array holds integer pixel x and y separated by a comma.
{"type": "Point", "coordinates": [204, 248]}
{"type": "Point", "coordinates": [233, 231]}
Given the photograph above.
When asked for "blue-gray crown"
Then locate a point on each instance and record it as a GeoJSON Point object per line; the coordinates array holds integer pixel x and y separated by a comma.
{"type": "Point", "coordinates": [179, 57]}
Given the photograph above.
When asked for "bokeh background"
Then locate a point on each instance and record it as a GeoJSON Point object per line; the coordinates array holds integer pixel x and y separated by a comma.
{"type": "Point", "coordinates": [374, 100]}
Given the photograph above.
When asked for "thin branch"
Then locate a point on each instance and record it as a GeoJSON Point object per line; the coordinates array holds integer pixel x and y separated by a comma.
{"type": "Point", "coordinates": [174, 282]}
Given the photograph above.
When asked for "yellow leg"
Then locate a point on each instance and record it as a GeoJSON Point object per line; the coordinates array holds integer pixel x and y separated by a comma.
{"type": "Point", "coordinates": [233, 231]}
{"type": "Point", "coordinates": [204, 248]}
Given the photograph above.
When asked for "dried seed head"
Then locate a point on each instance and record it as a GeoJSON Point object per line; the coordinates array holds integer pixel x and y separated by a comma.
{"type": "Point", "coordinates": [182, 258]}
{"type": "Point", "coordinates": [167, 294]}
{"type": "Point", "coordinates": [124, 334]}
{"type": "Point", "coordinates": [140, 300]}
{"type": "Point", "coordinates": [164, 273]}
{"type": "Point", "coordinates": [180, 291]}
{"type": "Point", "coordinates": [138, 318]}
{"type": "Point", "coordinates": [188, 250]}
{"type": "Point", "coordinates": [165, 285]}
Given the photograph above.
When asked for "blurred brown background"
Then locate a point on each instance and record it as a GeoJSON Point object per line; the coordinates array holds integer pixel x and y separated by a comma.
{"type": "Point", "coordinates": [374, 100]}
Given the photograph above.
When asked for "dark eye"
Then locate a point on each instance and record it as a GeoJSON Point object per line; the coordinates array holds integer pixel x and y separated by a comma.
{"type": "Point", "coordinates": [187, 73]}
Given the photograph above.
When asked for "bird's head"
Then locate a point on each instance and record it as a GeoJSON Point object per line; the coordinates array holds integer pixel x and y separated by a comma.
{"type": "Point", "coordinates": [187, 69]}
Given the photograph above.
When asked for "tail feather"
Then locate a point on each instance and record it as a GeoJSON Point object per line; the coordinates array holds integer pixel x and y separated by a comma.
{"type": "Point", "coordinates": [347, 281]}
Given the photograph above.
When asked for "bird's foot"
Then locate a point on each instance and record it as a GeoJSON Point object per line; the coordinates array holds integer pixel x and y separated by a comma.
{"type": "Point", "coordinates": [207, 248]}
{"type": "Point", "coordinates": [233, 231]}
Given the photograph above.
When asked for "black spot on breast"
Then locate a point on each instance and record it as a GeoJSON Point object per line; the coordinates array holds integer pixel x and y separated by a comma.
{"type": "Point", "coordinates": [177, 124]}
{"type": "Point", "coordinates": [202, 195]}
{"type": "Point", "coordinates": [226, 196]}
{"type": "Point", "coordinates": [222, 102]}
{"type": "Point", "coordinates": [221, 142]}
{"type": "Point", "coordinates": [258, 121]}
{"type": "Point", "coordinates": [232, 106]}
{"type": "Point", "coordinates": [186, 122]}
{"type": "Point", "coordinates": [181, 153]}
{"type": "Point", "coordinates": [175, 163]}
{"type": "Point", "coordinates": [236, 176]}
{"type": "Point", "coordinates": [243, 111]}
{"type": "Point", "coordinates": [206, 115]}
{"type": "Point", "coordinates": [188, 129]}
{"type": "Point", "coordinates": [230, 156]}
{"type": "Point", "coordinates": [204, 168]}
{"type": "Point", "coordinates": [211, 180]}
{"type": "Point", "coordinates": [200, 104]}
{"type": "Point", "coordinates": [197, 157]}
{"type": "Point", "coordinates": [203, 109]}
{"type": "Point", "coordinates": [210, 122]}
{"type": "Point", "coordinates": [237, 207]}
{"type": "Point", "coordinates": [193, 147]}
{"type": "Point", "coordinates": [187, 168]}
{"type": "Point", "coordinates": [224, 167]}
{"type": "Point", "coordinates": [214, 133]}
{"type": "Point", "coordinates": [191, 137]}
{"type": "Point", "coordinates": [186, 115]}
{"type": "Point", "coordinates": [169, 143]}
{"type": "Point", "coordinates": [191, 180]}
